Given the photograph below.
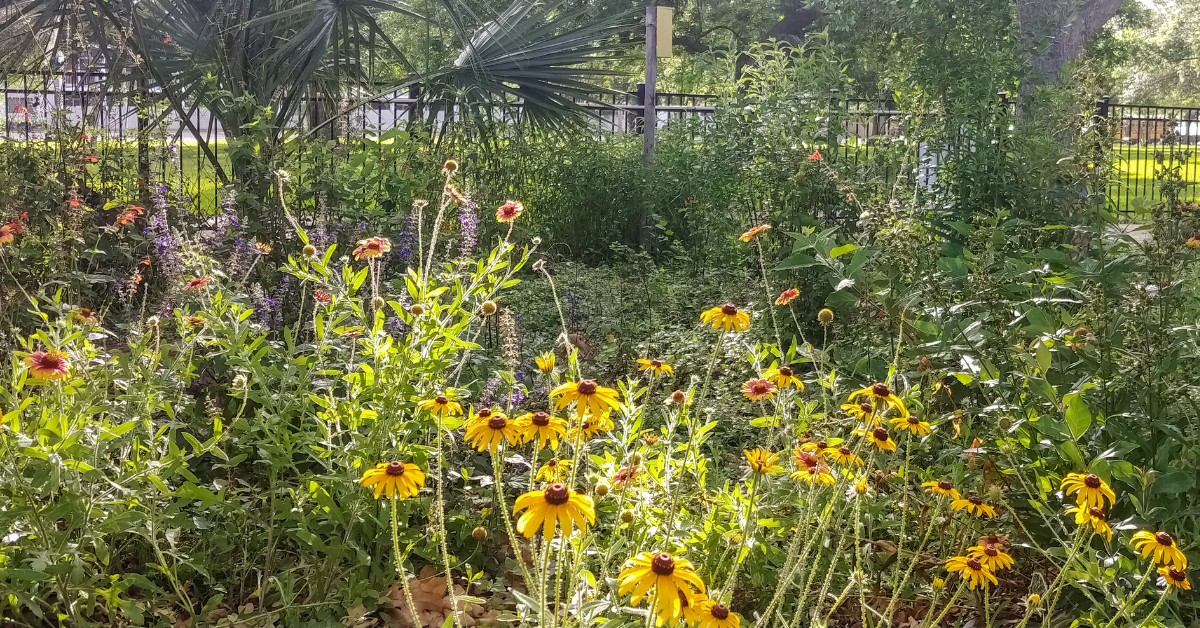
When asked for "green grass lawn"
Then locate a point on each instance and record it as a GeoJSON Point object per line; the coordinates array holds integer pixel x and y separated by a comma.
{"type": "Point", "coordinates": [1136, 166]}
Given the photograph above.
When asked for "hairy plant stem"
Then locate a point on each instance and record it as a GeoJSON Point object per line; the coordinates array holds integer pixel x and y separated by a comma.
{"type": "Point", "coordinates": [542, 582]}
{"type": "Point", "coordinates": [897, 589]}
{"type": "Point", "coordinates": [1132, 598]}
{"type": "Point", "coordinates": [747, 530]}
{"type": "Point", "coordinates": [508, 526]}
{"type": "Point", "coordinates": [408, 598]}
{"type": "Point", "coordinates": [1081, 536]}
{"type": "Point", "coordinates": [441, 521]}
{"type": "Point", "coordinates": [698, 405]}
{"type": "Point", "coordinates": [767, 287]}
{"type": "Point", "coordinates": [949, 605]}
{"type": "Point", "coordinates": [903, 509]}
{"type": "Point", "coordinates": [1154, 611]}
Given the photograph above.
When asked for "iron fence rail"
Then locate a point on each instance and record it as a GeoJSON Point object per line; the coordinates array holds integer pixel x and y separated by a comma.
{"type": "Point", "coordinates": [36, 103]}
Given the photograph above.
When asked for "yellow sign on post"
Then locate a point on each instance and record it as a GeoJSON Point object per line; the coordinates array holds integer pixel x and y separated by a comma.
{"type": "Point", "coordinates": [664, 30]}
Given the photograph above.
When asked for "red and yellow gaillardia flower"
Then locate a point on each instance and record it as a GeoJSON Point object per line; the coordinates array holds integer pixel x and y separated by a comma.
{"type": "Point", "coordinates": [86, 316]}
{"type": "Point", "coordinates": [991, 556]}
{"type": "Point", "coordinates": [972, 570]}
{"type": "Point", "coordinates": [590, 397]}
{"type": "Point", "coordinates": [1092, 490]}
{"type": "Point", "coordinates": [752, 232]}
{"type": "Point", "coordinates": [509, 211]}
{"type": "Point", "coordinates": [975, 506]}
{"type": "Point", "coordinates": [8, 233]}
{"type": "Point", "coordinates": [756, 389]}
{"type": "Point", "coordinates": [1094, 517]}
{"type": "Point", "coordinates": [394, 479]}
{"type": "Point", "coordinates": [543, 428]}
{"type": "Point", "coordinates": [762, 461]}
{"type": "Point", "coordinates": [783, 376]}
{"type": "Point", "coordinates": [197, 283]}
{"type": "Point", "coordinates": [489, 435]}
{"type": "Point", "coordinates": [942, 488]}
{"type": "Point", "coordinates": [48, 365]}
{"type": "Point", "coordinates": [864, 412]}
{"type": "Point", "coordinates": [726, 316]}
{"type": "Point", "coordinates": [1175, 578]}
{"type": "Point", "coordinates": [556, 504]}
{"type": "Point", "coordinates": [372, 247]}
{"type": "Point", "coordinates": [669, 580]}
{"type": "Point", "coordinates": [657, 367]}
{"type": "Point", "coordinates": [878, 437]}
{"type": "Point", "coordinates": [881, 392]}
{"type": "Point", "coordinates": [912, 424]}
{"type": "Point", "coordinates": [442, 405]}
{"type": "Point", "coordinates": [787, 296]}
{"type": "Point", "coordinates": [1162, 546]}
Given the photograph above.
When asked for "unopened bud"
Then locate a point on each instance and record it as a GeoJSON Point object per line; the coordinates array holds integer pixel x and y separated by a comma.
{"type": "Point", "coordinates": [627, 516]}
{"type": "Point", "coordinates": [489, 308]}
{"type": "Point", "coordinates": [479, 534]}
{"type": "Point", "coordinates": [601, 489]}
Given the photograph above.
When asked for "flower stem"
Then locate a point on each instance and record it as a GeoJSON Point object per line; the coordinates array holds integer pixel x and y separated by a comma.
{"type": "Point", "coordinates": [441, 519]}
{"type": "Point", "coordinates": [1052, 590]}
{"type": "Point", "coordinates": [1154, 611]}
{"type": "Point", "coordinates": [949, 605]}
{"type": "Point", "coordinates": [896, 590]}
{"type": "Point", "coordinates": [1132, 598]}
{"type": "Point", "coordinates": [747, 530]}
{"type": "Point", "coordinates": [408, 598]}
{"type": "Point", "coordinates": [512, 535]}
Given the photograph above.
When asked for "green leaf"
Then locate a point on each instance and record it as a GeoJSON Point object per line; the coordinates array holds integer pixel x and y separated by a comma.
{"type": "Point", "coordinates": [842, 250]}
{"type": "Point", "coordinates": [1078, 416]}
{"type": "Point", "coordinates": [1043, 357]}
{"type": "Point", "coordinates": [1175, 482]}
{"type": "Point", "coordinates": [799, 260]}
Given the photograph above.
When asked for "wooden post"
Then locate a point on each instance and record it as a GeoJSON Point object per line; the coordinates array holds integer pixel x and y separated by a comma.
{"type": "Point", "coordinates": [650, 115]}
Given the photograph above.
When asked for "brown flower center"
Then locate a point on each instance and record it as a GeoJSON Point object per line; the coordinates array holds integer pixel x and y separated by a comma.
{"type": "Point", "coordinates": [990, 550]}
{"type": "Point", "coordinates": [441, 400]}
{"type": "Point", "coordinates": [1176, 575]}
{"type": "Point", "coordinates": [557, 494]}
{"type": "Point", "coordinates": [989, 539]}
{"type": "Point", "coordinates": [484, 413]}
{"type": "Point", "coordinates": [845, 451]}
{"type": "Point", "coordinates": [678, 396]}
{"type": "Point", "coordinates": [880, 434]}
{"type": "Point", "coordinates": [656, 364]}
{"type": "Point", "coordinates": [729, 309]}
{"type": "Point", "coordinates": [720, 612]}
{"type": "Point", "coordinates": [945, 486]}
{"type": "Point", "coordinates": [662, 564]}
{"type": "Point", "coordinates": [912, 420]}
{"type": "Point", "coordinates": [759, 387]}
{"type": "Point", "coordinates": [881, 390]}
{"type": "Point", "coordinates": [822, 444]}
{"type": "Point", "coordinates": [865, 407]}
{"type": "Point", "coordinates": [587, 387]}
{"type": "Point", "coordinates": [541, 419]}
{"type": "Point", "coordinates": [785, 371]}
{"type": "Point", "coordinates": [1164, 539]}
{"type": "Point", "coordinates": [497, 422]}
{"type": "Point", "coordinates": [974, 565]}
{"type": "Point", "coordinates": [975, 500]}
{"type": "Point", "coordinates": [552, 463]}
{"type": "Point", "coordinates": [395, 468]}
{"type": "Point", "coordinates": [1096, 513]}
{"type": "Point", "coordinates": [1092, 481]}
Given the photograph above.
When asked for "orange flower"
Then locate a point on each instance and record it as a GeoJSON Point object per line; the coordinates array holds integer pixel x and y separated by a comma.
{"type": "Point", "coordinates": [372, 247]}
{"type": "Point", "coordinates": [49, 365]}
{"type": "Point", "coordinates": [197, 283]}
{"type": "Point", "coordinates": [509, 211]}
{"type": "Point", "coordinates": [129, 215]}
{"type": "Point", "coordinates": [321, 296]}
{"type": "Point", "coordinates": [756, 389]}
{"type": "Point", "coordinates": [815, 156]}
{"type": "Point", "coordinates": [194, 322]}
{"type": "Point", "coordinates": [7, 233]}
{"type": "Point", "coordinates": [453, 192]}
{"type": "Point", "coordinates": [746, 237]}
{"type": "Point", "coordinates": [91, 158]}
{"type": "Point", "coordinates": [352, 331]}
{"type": "Point", "coordinates": [787, 296]}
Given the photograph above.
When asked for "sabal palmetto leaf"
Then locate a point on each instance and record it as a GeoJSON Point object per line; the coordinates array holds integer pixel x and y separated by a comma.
{"type": "Point", "coordinates": [37, 32]}
{"type": "Point", "coordinates": [536, 54]}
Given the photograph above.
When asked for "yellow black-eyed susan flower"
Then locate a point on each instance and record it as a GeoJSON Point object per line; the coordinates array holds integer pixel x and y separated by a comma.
{"type": "Point", "coordinates": [991, 556]}
{"type": "Point", "coordinates": [1175, 578]}
{"type": "Point", "coordinates": [762, 461]}
{"type": "Point", "coordinates": [589, 426]}
{"type": "Point", "coordinates": [878, 437]}
{"type": "Point", "coordinates": [756, 389]}
{"type": "Point", "coordinates": [1092, 490]}
{"type": "Point", "coordinates": [589, 396]}
{"type": "Point", "coordinates": [555, 504]}
{"type": "Point", "coordinates": [545, 362]}
{"type": "Point", "coordinates": [783, 376]}
{"type": "Point", "coordinates": [1094, 517]}
{"type": "Point", "coordinates": [726, 316]}
{"type": "Point", "coordinates": [864, 412]}
{"type": "Point", "coordinates": [714, 615]}
{"type": "Point", "coordinates": [554, 470]}
{"type": "Point", "coordinates": [860, 485]}
{"type": "Point", "coordinates": [490, 434]}
{"type": "Point", "coordinates": [912, 424]}
{"type": "Point", "coordinates": [668, 578]}
{"type": "Point", "coordinates": [843, 455]}
{"type": "Point", "coordinates": [1162, 546]}
{"type": "Point", "coordinates": [937, 584]}
{"type": "Point", "coordinates": [818, 448]}
{"type": "Point", "coordinates": [942, 488]}
{"type": "Point", "coordinates": [975, 506]}
{"type": "Point", "coordinates": [541, 427]}
{"type": "Point", "coordinates": [881, 392]}
{"type": "Point", "coordinates": [818, 474]}
{"type": "Point", "coordinates": [482, 415]}
{"type": "Point", "coordinates": [394, 479]}
{"type": "Point", "coordinates": [442, 405]}
{"type": "Point", "coordinates": [657, 367]}
{"type": "Point", "coordinates": [972, 570]}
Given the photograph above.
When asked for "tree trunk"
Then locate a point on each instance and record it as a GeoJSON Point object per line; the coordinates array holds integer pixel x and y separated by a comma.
{"type": "Point", "coordinates": [1056, 31]}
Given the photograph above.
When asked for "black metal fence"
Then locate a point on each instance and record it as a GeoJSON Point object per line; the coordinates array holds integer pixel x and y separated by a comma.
{"type": "Point", "coordinates": [35, 104]}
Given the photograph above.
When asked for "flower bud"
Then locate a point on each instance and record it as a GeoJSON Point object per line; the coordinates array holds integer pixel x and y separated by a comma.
{"type": "Point", "coordinates": [416, 309]}
{"type": "Point", "coordinates": [601, 489]}
{"type": "Point", "coordinates": [152, 321]}
{"type": "Point", "coordinates": [310, 250]}
{"type": "Point", "coordinates": [1033, 600]}
{"type": "Point", "coordinates": [489, 308]}
{"type": "Point", "coordinates": [627, 516]}
{"type": "Point", "coordinates": [536, 241]}
{"type": "Point", "coordinates": [479, 534]}
{"type": "Point", "coordinates": [825, 316]}
{"type": "Point", "coordinates": [635, 458]}
{"type": "Point", "coordinates": [378, 303]}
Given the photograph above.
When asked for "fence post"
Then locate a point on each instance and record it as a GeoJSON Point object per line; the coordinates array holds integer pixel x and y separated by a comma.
{"type": "Point", "coordinates": [639, 119]}
{"type": "Point", "coordinates": [831, 138]}
{"type": "Point", "coordinates": [414, 108]}
{"type": "Point", "coordinates": [143, 142]}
